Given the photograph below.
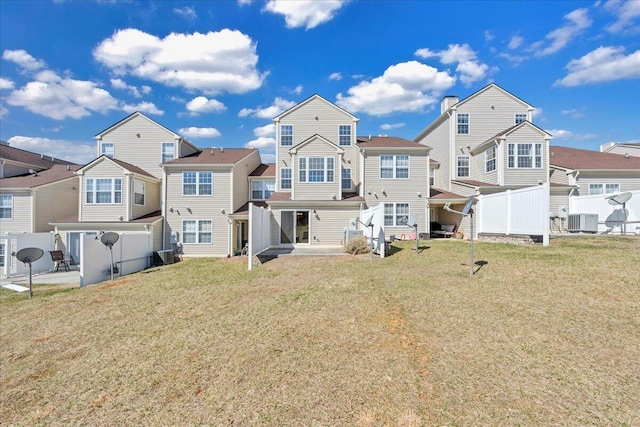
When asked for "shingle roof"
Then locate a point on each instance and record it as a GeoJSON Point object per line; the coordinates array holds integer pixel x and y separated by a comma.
{"type": "Point", "coordinates": [387, 141]}
{"type": "Point", "coordinates": [265, 170]}
{"type": "Point", "coordinates": [579, 159]}
{"type": "Point", "coordinates": [244, 209]}
{"type": "Point", "coordinates": [475, 183]}
{"type": "Point", "coordinates": [285, 196]}
{"type": "Point", "coordinates": [47, 176]}
{"type": "Point", "coordinates": [29, 157]}
{"type": "Point", "coordinates": [132, 168]}
{"type": "Point", "coordinates": [213, 156]}
{"type": "Point", "coordinates": [445, 195]}
{"type": "Point", "coordinates": [148, 218]}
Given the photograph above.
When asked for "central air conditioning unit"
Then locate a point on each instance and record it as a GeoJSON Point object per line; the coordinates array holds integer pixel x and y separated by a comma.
{"type": "Point", "coordinates": [583, 223]}
{"type": "Point", "coordinates": [351, 233]}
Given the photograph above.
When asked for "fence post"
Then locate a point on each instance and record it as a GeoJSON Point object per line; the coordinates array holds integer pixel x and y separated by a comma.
{"type": "Point", "coordinates": [508, 212]}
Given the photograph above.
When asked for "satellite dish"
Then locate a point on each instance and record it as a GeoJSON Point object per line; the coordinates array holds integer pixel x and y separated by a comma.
{"type": "Point", "coordinates": [29, 255]}
{"type": "Point", "coordinates": [468, 205]}
{"type": "Point", "coordinates": [109, 239]}
{"type": "Point", "coordinates": [369, 221]}
{"type": "Point", "coordinates": [619, 199]}
{"type": "Point", "coordinates": [412, 221]}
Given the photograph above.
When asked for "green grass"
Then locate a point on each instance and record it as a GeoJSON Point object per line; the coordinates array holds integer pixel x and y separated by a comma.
{"type": "Point", "coordinates": [539, 336]}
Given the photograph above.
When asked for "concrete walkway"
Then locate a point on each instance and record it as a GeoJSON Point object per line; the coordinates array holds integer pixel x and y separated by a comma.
{"type": "Point", "coordinates": [46, 277]}
{"type": "Point", "coordinates": [304, 251]}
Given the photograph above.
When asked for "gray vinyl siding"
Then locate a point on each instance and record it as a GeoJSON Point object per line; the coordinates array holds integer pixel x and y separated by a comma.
{"type": "Point", "coordinates": [531, 176]}
{"type": "Point", "coordinates": [157, 235]}
{"type": "Point", "coordinates": [628, 180]}
{"type": "Point", "coordinates": [145, 151]}
{"type": "Point", "coordinates": [55, 202]}
{"type": "Point", "coordinates": [275, 227]}
{"type": "Point", "coordinates": [151, 198]}
{"type": "Point", "coordinates": [317, 190]}
{"type": "Point", "coordinates": [626, 149]}
{"type": "Point", "coordinates": [21, 214]}
{"type": "Point", "coordinates": [438, 140]}
{"type": "Point", "coordinates": [558, 176]}
{"type": "Point", "coordinates": [10, 170]}
{"type": "Point", "coordinates": [241, 173]}
{"type": "Point", "coordinates": [202, 208]}
{"type": "Point", "coordinates": [462, 190]}
{"type": "Point", "coordinates": [185, 150]}
{"type": "Point", "coordinates": [104, 212]}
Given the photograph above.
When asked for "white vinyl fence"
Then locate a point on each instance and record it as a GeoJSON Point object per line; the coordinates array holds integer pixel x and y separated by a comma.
{"type": "Point", "coordinates": [376, 215]}
{"type": "Point", "coordinates": [610, 217]}
{"type": "Point", "coordinates": [524, 211]}
{"type": "Point", "coordinates": [259, 231]}
{"type": "Point", "coordinates": [131, 253]}
{"type": "Point", "coordinates": [13, 242]}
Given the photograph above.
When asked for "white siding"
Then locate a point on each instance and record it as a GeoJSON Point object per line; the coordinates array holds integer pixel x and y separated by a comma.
{"type": "Point", "coordinates": [55, 202]}
{"type": "Point", "coordinates": [21, 214]}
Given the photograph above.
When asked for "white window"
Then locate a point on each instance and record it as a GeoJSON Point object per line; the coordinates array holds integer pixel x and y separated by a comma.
{"type": "Point", "coordinates": [463, 167]}
{"type": "Point", "coordinates": [104, 191]}
{"type": "Point", "coordinates": [527, 156]}
{"type": "Point", "coordinates": [432, 177]}
{"type": "Point", "coordinates": [463, 124]}
{"type": "Point", "coordinates": [490, 159]}
{"type": "Point", "coordinates": [519, 118]}
{"type": "Point", "coordinates": [197, 184]}
{"type": "Point", "coordinates": [3, 253]}
{"type": "Point", "coordinates": [168, 151]}
{"type": "Point", "coordinates": [345, 134]}
{"type": "Point", "coordinates": [107, 149]}
{"type": "Point", "coordinates": [286, 134]}
{"type": "Point", "coordinates": [138, 192]}
{"type": "Point", "coordinates": [316, 169]}
{"type": "Point", "coordinates": [285, 178]}
{"type": "Point", "coordinates": [394, 166]}
{"type": "Point", "coordinates": [197, 231]}
{"type": "Point", "coordinates": [346, 178]}
{"type": "Point", "coordinates": [603, 188]}
{"type": "Point", "coordinates": [396, 214]}
{"type": "Point", "coordinates": [262, 190]}
{"type": "Point", "coordinates": [6, 206]}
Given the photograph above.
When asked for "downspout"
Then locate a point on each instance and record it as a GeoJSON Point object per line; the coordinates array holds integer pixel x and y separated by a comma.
{"type": "Point", "coordinates": [80, 191]}
{"type": "Point", "coordinates": [452, 149]}
{"type": "Point", "coordinates": [129, 216]}
{"type": "Point", "coordinates": [163, 206]}
{"type": "Point", "coordinates": [33, 209]}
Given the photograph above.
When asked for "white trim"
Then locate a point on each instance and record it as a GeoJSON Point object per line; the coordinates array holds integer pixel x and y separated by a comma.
{"type": "Point", "coordinates": [12, 207]}
{"type": "Point", "coordinates": [394, 159]}
{"type": "Point", "coordinates": [113, 192]}
{"type": "Point", "coordinates": [458, 166]}
{"type": "Point", "coordinates": [280, 135]}
{"type": "Point", "coordinates": [458, 123]}
{"type": "Point", "coordinates": [395, 213]}
{"type": "Point", "coordinates": [197, 232]}
{"type": "Point", "coordinates": [197, 183]}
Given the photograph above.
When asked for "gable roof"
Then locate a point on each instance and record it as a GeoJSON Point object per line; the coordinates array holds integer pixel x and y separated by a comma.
{"type": "Point", "coordinates": [124, 165]}
{"type": "Point", "coordinates": [579, 159]}
{"type": "Point", "coordinates": [308, 100]}
{"type": "Point", "coordinates": [53, 174]}
{"type": "Point", "coordinates": [480, 147]}
{"type": "Point", "coordinates": [265, 170]}
{"type": "Point", "coordinates": [295, 148]}
{"type": "Point", "coordinates": [29, 158]}
{"type": "Point", "coordinates": [213, 156]}
{"type": "Point", "coordinates": [387, 142]}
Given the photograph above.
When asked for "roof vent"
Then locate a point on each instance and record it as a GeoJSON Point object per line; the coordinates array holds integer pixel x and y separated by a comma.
{"type": "Point", "coordinates": [33, 172]}
{"type": "Point", "coordinates": [626, 155]}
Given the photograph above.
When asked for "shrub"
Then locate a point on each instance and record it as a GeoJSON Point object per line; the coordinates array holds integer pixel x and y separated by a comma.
{"type": "Point", "coordinates": [357, 245]}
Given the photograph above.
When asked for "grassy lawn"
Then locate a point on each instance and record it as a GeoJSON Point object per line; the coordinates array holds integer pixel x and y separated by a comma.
{"type": "Point", "coordinates": [540, 336]}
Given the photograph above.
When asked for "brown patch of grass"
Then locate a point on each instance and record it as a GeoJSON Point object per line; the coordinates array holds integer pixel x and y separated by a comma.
{"type": "Point", "coordinates": [539, 336]}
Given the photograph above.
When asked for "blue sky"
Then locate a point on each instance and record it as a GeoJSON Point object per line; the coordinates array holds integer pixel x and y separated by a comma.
{"type": "Point", "coordinates": [218, 71]}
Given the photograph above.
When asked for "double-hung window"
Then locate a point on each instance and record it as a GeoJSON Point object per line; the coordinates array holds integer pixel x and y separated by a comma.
{"type": "Point", "coordinates": [346, 178]}
{"type": "Point", "coordinates": [3, 254]}
{"type": "Point", "coordinates": [197, 184]}
{"type": "Point", "coordinates": [316, 169]}
{"type": "Point", "coordinates": [286, 135]}
{"type": "Point", "coordinates": [138, 192]}
{"type": "Point", "coordinates": [168, 151]}
{"type": "Point", "coordinates": [345, 134]}
{"type": "Point", "coordinates": [6, 206]}
{"type": "Point", "coordinates": [490, 159]}
{"type": "Point", "coordinates": [396, 214]}
{"type": "Point", "coordinates": [463, 167]}
{"type": "Point", "coordinates": [285, 178]}
{"type": "Point", "coordinates": [603, 188]}
{"type": "Point", "coordinates": [107, 149]}
{"type": "Point", "coordinates": [394, 166]}
{"type": "Point", "coordinates": [526, 156]}
{"type": "Point", "coordinates": [463, 123]}
{"type": "Point", "coordinates": [104, 191]}
{"type": "Point", "coordinates": [197, 231]}
{"type": "Point", "coordinates": [519, 118]}
{"type": "Point", "coordinates": [262, 190]}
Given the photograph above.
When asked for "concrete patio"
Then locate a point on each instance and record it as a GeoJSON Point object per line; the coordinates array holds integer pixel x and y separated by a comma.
{"type": "Point", "coordinates": [45, 277]}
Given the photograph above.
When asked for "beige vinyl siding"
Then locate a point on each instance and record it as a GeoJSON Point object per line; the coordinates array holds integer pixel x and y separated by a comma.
{"type": "Point", "coordinates": [157, 235]}
{"type": "Point", "coordinates": [151, 198]}
{"type": "Point", "coordinates": [632, 150]}
{"type": "Point", "coordinates": [21, 214]}
{"type": "Point", "coordinates": [275, 227]}
{"type": "Point", "coordinates": [185, 150]}
{"type": "Point", "coordinates": [55, 202]}
{"type": "Point", "coordinates": [524, 176]}
{"type": "Point", "coordinates": [327, 227]}
{"type": "Point", "coordinates": [558, 176]}
{"type": "Point", "coordinates": [628, 180]}
{"type": "Point", "coordinates": [144, 151]}
{"type": "Point", "coordinates": [556, 199]}
{"type": "Point", "coordinates": [10, 170]}
{"type": "Point", "coordinates": [202, 208]}
{"type": "Point", "coordinates": [479, 167]}
{"type": "Point", "coordinates": [104, 212]}
{"type": "Point", "coordinates": [241, 173]}
{"type": "Point", "coordinates": [438, 140]}
{"type": "Point", "coordinates": [462, 190]}
{"type": "Point", "coordinates": [317, 190]}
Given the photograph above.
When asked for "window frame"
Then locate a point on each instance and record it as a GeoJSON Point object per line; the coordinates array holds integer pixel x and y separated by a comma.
{"type": "Point", "coordinates": [467, 124]}
{"type": "Point", "coordinates": [282, 135]}
{"type": "Point", "coordinates": [395, 215]}
{"type": "Point", "coordinates": [4, 208]}
{"type": "Point", "coordinates": [283, 179]}
{"type": "Point", "coordinates": [3, 252]}
{"type": "Point", "coordinates": [432, 176]}
{"type": "Point", "coordinates": [306, 172]}
{"type": "Point", "coordinates": [343, 136]}
{"type": "Point", "coordinates": [603, 187]}
{"type": "Point", "coordinates": [163, 153]}
{"type": "Point", "coordinates": [91, 188]}
{"type": "Point", "coordinates": [395, 168]}
{"type": "Point", "coordinates": [263, 188]}
{"type": "Point", "coordinates": [198, 233]}
{"type": "Point", "coordinates": [490, 163]}
{"type": "Point", "coordinates": [344, 179]}
{"type": "Point", "coordinates": [468, 166]}
{"type": "Point", "coordinates": [198, 183]}
{"type": "Point", "coordinates": [103, 151]}
{"type": "Point", "coordinates": [514, 155]}
{"type": "Point", "coordinates": [521, 116]}
{"type": "Point", "coordinates": [136, 193]}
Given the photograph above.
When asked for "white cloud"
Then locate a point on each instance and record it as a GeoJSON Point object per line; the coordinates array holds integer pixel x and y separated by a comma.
{"type": "Point", "coordinates": [200, 104]}
{"type": "Point", "coordinates": [307, 13]}
{"type": "Point", "coordinates": [262, 143]}
{"type": "Point", "coordinates": [578, 21]}
{"type": "Point", "coordinates": [143, 107]}
{"type": "Point", "coordinates": [469, 68]}
{"type": "Point", "coordinates": [6, 84]}
{"type": "Point", "coordinates": [515, 42]}
{"type": "Point", "coordinates": [121, 84]}
{"type": "Point", "coordinates": [195, 133]}
{"type": "Point", "coordinates": [488, 36]}
{"type": "Point", "coordinates": [404, 87]}
{"type": "Point", "coordinates": [627, 12]}
{"type": "Point", "coordinates": [145, 89]}
{"type": "Point", "coordinates": [573, 113]}
{"type": "Point", "coordinates": [268, 157]}
{"type": "Point", "coordinates": [298, 89]}
{"type": "Point", "coordinates": [3, 111]}
{"type": "Point", "coordinates": [515, 60]}
{"type": "Point", "coordinates": [71, 151]}
{"type": "Point", "coordinates": [279, 105]}
{"type": "Point", "coordinates": [537, 113]}
{"type": "Point", "coordinates": [215, 62]}
{"type": "Point", "coordinates": [335, 76]}
{"type": "Point", "coordinates": [58, 98]}
{"type": "Point", "coordinates": [244, 2]}
{"type": "Point", "coordinates": [601, 65]}
{"type": "Point", "coordinates": [389, 126]}
{"type": "Point", "coordinates": [187, 12]}
{"type": "Point", "coordinates": [268, 130]}
{"type": "Point", "coordinates": [23, 60]}
{"type": "Point", "coordinates": [567, 134]}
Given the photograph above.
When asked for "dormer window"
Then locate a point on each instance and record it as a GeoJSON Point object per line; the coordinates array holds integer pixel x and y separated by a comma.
{"type": "Point", "coordinates": [107, 149]}
{"type": "Point", "coordinates": [463, 124]}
